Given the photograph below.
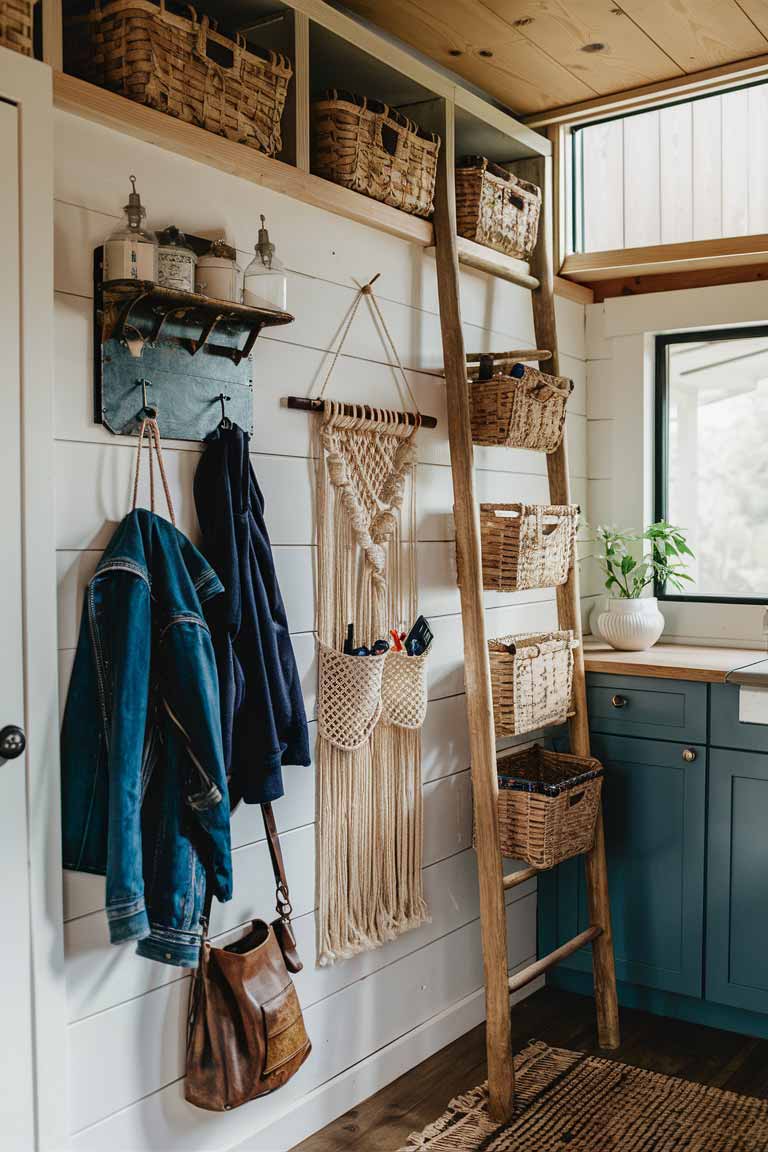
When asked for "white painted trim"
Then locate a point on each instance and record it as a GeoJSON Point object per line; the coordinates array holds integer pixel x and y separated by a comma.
{"type": "Point", "coordinates": [28, 84]}
{"type": "Point", "coordinates": [362, 1080]}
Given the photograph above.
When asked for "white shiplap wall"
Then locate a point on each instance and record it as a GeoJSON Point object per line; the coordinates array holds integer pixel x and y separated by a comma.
{"type": "Point", "coordinates": [376, 1015]}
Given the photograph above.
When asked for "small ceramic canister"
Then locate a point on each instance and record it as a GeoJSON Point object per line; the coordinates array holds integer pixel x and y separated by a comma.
{"type": "Point", "coordinates": [175, 261]}
{"type": "Point", "coordinates": [217, 274]}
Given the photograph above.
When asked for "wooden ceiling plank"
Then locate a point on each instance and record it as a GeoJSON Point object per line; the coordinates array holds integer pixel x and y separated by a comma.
{"type": "Point", "coordinates": [565, 30]}
{"type": "Point", "coordinates": [518, 74]}
{"type": "Point", "coordinates": [698, 33]}
{"type": "Point", "coordinates": [757, 11]}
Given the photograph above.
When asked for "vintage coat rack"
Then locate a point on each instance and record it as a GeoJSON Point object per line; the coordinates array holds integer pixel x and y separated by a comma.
{"type": "Point", "coordinates": [180, 353]}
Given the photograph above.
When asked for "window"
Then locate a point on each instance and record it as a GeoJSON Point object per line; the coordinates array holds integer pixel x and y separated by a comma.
{"type": "Point", "coordinates": [712, 457]}
{"type": "Point", "coordinates": [694, 170]}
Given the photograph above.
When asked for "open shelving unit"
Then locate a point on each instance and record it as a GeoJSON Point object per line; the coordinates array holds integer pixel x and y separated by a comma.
{"type": "Point", "coordinates": [327, 49]}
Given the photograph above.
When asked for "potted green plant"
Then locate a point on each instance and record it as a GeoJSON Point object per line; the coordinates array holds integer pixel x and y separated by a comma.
{"type": "Point", "coordinates": [630, 563]}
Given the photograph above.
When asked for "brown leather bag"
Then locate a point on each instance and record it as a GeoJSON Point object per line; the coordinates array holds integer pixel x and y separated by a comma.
{"type": "Point", "coordinates": [246, 1034]}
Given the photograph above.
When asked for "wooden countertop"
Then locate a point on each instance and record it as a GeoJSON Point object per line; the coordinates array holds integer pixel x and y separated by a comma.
{"type": "Point", "coordinates": [671, 661]}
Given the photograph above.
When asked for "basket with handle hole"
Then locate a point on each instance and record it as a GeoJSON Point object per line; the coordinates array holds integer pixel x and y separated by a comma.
{"type": "Point", "coordinates": [495, 208]}
{"type": "Point", "coordinates": [531, 680]}
{"type": "Point", "coordinates": [526, 410]}
{"type": "Point", "coordinates": [527, 545]}
{"type": "Point", "coordinates": [548, 805]}
{"type": "Point", "coordinates": [371, 148]}
{"type": "Point", "coordinates": [180, 64]}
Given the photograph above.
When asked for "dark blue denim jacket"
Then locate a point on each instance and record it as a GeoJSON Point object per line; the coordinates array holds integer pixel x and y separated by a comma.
{"type": "Point", "coordinates": [144, 791]}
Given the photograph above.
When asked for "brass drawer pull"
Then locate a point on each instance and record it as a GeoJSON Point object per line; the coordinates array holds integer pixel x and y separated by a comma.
{"type": "Point", "coordinates": [619, 701]}
{"type": "Point", "coordinates": [689, 755]}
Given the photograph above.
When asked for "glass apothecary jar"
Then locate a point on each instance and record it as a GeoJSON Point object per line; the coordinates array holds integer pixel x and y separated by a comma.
{"type": "Point", "coordinates": [265, 284]}
{"type": "Point", "coordinates": [175, 261]}
{"type": "Point", "coordinates": [130, 252]}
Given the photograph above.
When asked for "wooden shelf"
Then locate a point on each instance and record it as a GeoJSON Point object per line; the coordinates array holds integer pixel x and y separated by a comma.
{"type": "Point", "coordinates": [656, 259]}
{"type": "Point", "coordinates": [113, 111]}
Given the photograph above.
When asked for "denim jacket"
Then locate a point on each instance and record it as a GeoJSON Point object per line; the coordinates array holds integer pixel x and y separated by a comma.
{"type": "Point", "coordinates": [144, 791]}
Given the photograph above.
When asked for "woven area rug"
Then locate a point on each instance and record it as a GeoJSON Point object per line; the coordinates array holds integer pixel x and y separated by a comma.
{"type": "Point", "coordinates": [569, 1102]}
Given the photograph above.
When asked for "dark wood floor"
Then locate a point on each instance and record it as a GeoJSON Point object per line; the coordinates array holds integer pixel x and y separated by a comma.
{"type": "Point", "coordinates": [383, 1123]}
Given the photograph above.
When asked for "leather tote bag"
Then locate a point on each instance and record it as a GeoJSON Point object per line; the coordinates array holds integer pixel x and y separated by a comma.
{"type": "Point", "coordinates": [246, 1034]}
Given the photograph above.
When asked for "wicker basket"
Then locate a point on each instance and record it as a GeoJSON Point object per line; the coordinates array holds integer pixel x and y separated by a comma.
{"type": "Point", "coordinates": [16, 25]}
{"type": "Point", "coordinates": [495, 208]}
{"type": "Point", "coordinates": [527, 545]}
{"type": "Point", "coordinates": [523, 410]}
{"type": "Point", "coordinates": [548, 805]}
{"type": "Point", "coordinates": [182, 66]}
{"type": "Point", "coordinates": [372, 149]}
{"type": "Point", "coordinates": [531, 680]}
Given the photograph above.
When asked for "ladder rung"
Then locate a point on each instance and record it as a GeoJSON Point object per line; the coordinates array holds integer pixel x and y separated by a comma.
{"type": "Point", "coordinates": [515, 355]}
{"type": "Point", "coordinates": [520, 877]}
{"type": "Point", "coordinates": [539, 967]}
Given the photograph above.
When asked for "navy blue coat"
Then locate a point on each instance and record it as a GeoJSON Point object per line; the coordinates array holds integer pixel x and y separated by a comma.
{"type": "Point", "coordinates": [263, 721]}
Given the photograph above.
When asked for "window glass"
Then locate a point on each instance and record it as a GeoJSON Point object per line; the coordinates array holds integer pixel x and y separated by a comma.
{"type": "Point", "coordinates": [713, 462]}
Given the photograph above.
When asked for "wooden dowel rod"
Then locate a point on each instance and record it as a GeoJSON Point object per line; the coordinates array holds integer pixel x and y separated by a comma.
{"type": "Point", "coordinates": [515, 354]}
{"type": "Point", "coordinates": [539, 967]}
{"type": "Point", "coordinates": [520, 877]}
{"type": "Point", "coordinates": [303, 404]}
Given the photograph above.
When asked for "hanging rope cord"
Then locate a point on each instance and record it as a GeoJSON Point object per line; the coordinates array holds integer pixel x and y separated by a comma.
{"type": "Point", "coordinates": [150, 426]}
{"type": "Point", "coordinates": [331, 620]}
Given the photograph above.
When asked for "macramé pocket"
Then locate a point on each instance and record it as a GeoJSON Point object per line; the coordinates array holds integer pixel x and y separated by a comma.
{"type": "Point", "coordinates": [349, 697]}
{"type": "Point", "coordinates": [404, 689]}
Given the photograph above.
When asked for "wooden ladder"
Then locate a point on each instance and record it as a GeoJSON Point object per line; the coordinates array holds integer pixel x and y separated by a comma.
{"type": "Point", "coordinates": [493, 884]}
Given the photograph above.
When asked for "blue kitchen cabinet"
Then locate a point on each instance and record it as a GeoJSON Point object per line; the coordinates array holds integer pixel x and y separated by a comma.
{"type": "Point", "coordinates": [654, 810]}
{"type": "Point", "coordinates": [737, 879]}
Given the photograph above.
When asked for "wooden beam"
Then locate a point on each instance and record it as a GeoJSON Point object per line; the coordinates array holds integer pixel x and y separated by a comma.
{"type": "Point", "coordinates": [569, 616]}
{"type": "Point", "coordinates": [691, 256]}
{"type": "Point", "coordinates": [676, 281]}
{"type": "Point", "coordinates": [53, 33]}
{"type": "Point", "coordinates": [706, 82]}
{"type": "Point", "coordinates": [477, 674]}
{"type": "Point", "coordinates": [570, 290]}
{"type": "Point", "coordinates": [539, 967]}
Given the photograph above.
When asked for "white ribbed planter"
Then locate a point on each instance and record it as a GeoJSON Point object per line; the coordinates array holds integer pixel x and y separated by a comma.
{"type": "Point", "coordinates": [631, 625]}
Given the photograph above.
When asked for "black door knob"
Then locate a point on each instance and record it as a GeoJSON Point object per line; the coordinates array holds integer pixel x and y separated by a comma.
{"type": "Point", "coordinates": [12, 742]}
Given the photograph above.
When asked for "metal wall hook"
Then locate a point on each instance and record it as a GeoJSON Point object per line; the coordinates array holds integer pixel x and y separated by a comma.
{"type": "Point", "coordinates": [148, 410]}
{"type": "Point", "coordinates": [225, 421]}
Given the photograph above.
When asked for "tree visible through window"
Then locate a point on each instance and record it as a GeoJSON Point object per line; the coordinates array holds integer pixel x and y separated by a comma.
{"type": "Point", "coordinates": [712, 456]}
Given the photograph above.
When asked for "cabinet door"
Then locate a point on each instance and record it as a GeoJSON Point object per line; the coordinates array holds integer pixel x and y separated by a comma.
{"type": "Point", "coordinates": [653, 805]}
{"type": "Point", "coordinates": [737, 880]}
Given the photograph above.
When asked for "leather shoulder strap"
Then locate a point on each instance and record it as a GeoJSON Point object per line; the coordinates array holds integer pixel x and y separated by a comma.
{"type": "Point", "coordinates": [282, 895]}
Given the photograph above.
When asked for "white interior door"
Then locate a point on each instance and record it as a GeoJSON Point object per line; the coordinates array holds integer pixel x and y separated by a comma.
{"type": "Point", "coordinates": [16, 1085]}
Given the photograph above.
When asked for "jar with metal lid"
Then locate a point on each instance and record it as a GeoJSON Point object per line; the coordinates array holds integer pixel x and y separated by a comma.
{"type": "Point", "coordinates": [217, 273]}
{"type": "Point", "coordinates": [175, 261]}
{"type": "Point", "coordinates": [130, 252]}
{"type": "Point", "coordinates": [265, 284]}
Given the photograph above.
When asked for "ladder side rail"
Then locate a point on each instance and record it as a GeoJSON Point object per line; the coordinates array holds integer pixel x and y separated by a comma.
{"type": "Point", "coordinates": [539, 171]}
{"type": "Point", "coordinates": [477, 676]}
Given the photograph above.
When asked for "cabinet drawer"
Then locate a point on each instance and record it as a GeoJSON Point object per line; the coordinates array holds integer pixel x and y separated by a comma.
{"type": "Point", "coordinates": [644, 706]}
{"type": "Point", "coordinates": [725, 728]}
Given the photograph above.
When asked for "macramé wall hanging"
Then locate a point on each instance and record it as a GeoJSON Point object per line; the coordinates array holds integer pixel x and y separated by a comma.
{"type": "Point", "coordinates": [370, 707]}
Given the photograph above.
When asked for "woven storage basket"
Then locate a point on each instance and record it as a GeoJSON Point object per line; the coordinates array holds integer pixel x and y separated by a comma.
{"type": "Point", "coordinates": [181, 65]}
{"type": "Point", "coordinates": [495, 208]}
{"type": "Point", "coordinates": [548, 805]}
{"type": "Point", "coordinates": [531, 680]}
{"type": "Point", "coordinates": [527, 545]}
{"type": "Point", "coordinates": [349, 697]}
{"type": "Point", "coordinates": [16, 25]}
{"type": "Point", "coordinates": [526, 410]}
{"type": "Point", "coordinates": [372, 149]}
{"type": "Point", "coordinates": [404, 689]}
